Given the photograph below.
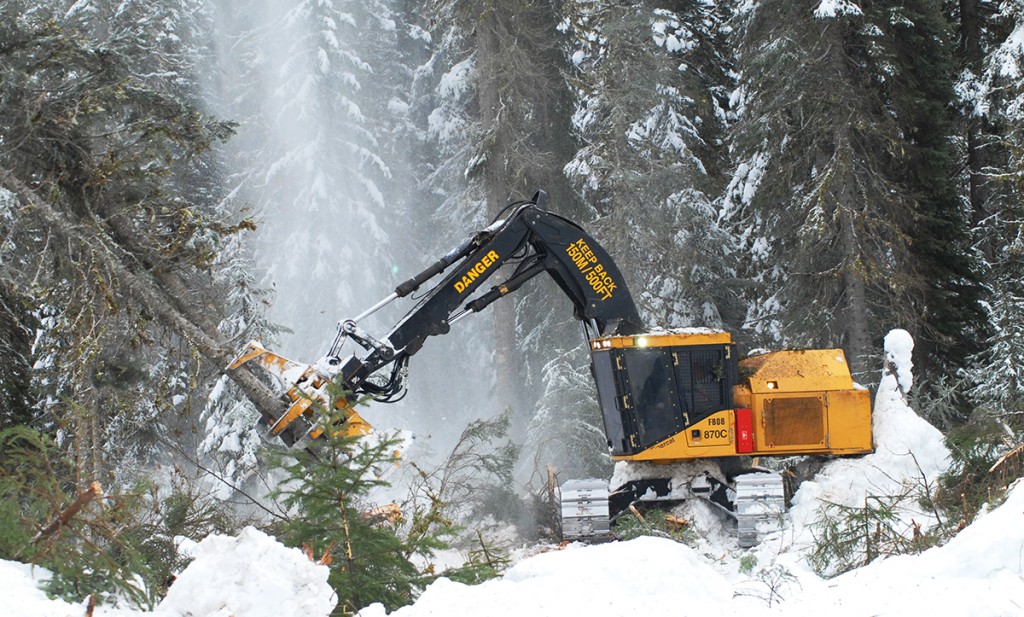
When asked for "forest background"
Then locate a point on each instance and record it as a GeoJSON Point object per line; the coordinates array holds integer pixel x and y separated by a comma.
{"type": "Point", "coordinates": [177, 177]}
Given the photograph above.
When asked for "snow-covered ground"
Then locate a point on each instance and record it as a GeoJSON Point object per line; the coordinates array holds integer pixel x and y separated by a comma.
{"type": "Point", "coordinates": [980, 572]}
{"type": "Point", "coordinates": [251, 575]}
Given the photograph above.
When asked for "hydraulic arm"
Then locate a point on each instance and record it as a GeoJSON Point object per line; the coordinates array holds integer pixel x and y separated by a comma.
{"type": "Point", "coordinates": [526, 239]}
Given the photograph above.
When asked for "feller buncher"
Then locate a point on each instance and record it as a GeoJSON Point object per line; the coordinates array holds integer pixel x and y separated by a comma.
{"type": "Point", "coordinates": [665, 396]}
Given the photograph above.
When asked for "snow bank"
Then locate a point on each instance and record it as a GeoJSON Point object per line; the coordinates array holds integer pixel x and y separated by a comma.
{"type": "Point", "coordinates": [609, 579]}
{"type": "Point", "coordinates": [252, 575]}
{"type": "Point", "coordinates": [909, 454]}
{"type": "Point", "coordinates": [980, 572]}
{"type": "Point", "coordinates": [22, 597]}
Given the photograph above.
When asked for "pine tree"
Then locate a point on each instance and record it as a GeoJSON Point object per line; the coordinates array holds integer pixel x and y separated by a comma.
{"type": "Point", "coordinates": [303, 85]}
{"type": "Point", "coordinates": [113, 252]}
{"type": "Point", "coordinates": [333, 520]}
{"type": "Point", "coordinates": [825, 129]}
{"type": "Point", "coordinates": [654, 149]}
{"type": "Point", "coordinates": [17, 326]}
{"type": "Point", "coordinates": [94, 543]}
{"type": "Point", "coordinates": [647, 168]}
{"type": "Point", "coordinates": [496, 127]}
{"type": "Point", "coordinates": [950, 319]}
{"type": "Point", "coordinates": [981, 26]}
{"type": "Point", "coordinates": [997, 98]}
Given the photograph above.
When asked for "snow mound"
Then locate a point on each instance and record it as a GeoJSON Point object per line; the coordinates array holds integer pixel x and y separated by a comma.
{"type": "Point", "coordinates": [897, 373]}
{"type": "Point", "coordinates": [990, 548]}
{"type": "Point", "coordinates": [252, 575]}
{"type": "Point", "coordinates": [607, 579]}
{"type": "Point", "coordinates": [22, 596]}
{"type": "Point", "coordinates": [979, 572]}
{"type": "Point", "coordinates": [910, 455]}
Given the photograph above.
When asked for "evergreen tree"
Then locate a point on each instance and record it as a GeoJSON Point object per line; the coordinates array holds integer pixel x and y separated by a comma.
{"type": "Point", "coordinates": [112, 252]}
{"type": "Point", "coordinates": [833, 236]}
{"type": "Point", "coordinates": [442, 108]}
{"type": "Point", "coordinates": [521, 146]}
{"type": "Point", "coordinates": [336, 523]}
{"type": "Point", "coordinates": [106, 545]}
{"type": "Point", "coordinates": [648, 170]}
{"type": "Point", "coordinates": [17, 327]}
{"type": "Point", "coordinates": [303, 85]}
{"type": "Point", "coordinates": [951, 323]}
{"type": "Point", "coordinates": [496, 126]}
{"type": "Point", "coordinates": [653, 160]}
{"type": "Point", "coordinates": [981, 26]}
{"type": "Point", "coordinates": [998, 99]}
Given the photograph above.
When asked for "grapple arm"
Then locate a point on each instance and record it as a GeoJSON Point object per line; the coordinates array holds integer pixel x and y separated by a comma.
{"type": "Point", "coordinates": [530, 238]}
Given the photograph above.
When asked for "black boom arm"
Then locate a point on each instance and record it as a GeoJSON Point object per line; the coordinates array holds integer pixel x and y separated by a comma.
{"type": "Point", "coordinates": [532, 239]}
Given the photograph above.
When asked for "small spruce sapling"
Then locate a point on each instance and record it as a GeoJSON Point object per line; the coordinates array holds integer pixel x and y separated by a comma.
{"type": "Point", "coordinates": [326, 491]}
{"type": "Point", "coordinates": [95, 543]}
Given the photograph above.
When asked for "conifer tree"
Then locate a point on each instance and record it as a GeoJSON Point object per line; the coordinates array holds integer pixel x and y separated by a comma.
{"type": "Point", "coordinates": [108, 545]}
{"type": "Point", "coordinates": [111, 250]}
{"type": "Point", "coordinates": [977, 30]}
{"type": "Point", "coordinates": [845, 108]}
{"type": "Point", "coordinates": [819, 219]}
{"type": "Point", "coordinates": [306, 86]}
{"type": "Point", "coordinates": [17, 326]}
{"type": "Point", "coordinates": [497, 125]}
{"type": "Point", "coordinates": [997, 98]}
{"type": "Point", "coordinates": [327, 491]}
{"type": "Point", "coordinates": [651, 90]}
{"type": "Point", "coordinates": [951, 323]}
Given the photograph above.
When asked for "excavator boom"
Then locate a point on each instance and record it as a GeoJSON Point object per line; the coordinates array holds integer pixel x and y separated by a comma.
{"type": "Point", "coordinates": [526, 238]}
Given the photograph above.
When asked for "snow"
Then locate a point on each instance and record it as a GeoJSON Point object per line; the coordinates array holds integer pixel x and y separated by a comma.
{"type": "Point", "coordinates": [909, 454]}
{"type": "Point", "coordinates": [444, 123]}
{"type": "Point", "coordinates": [251, 575]}
{"type": "Point", "coordinates": [834, 8]}
{"type": "Point", "coordinates": [980, 572]}
{"type": "Point", "coordinates": [22, 597]}
{"type": "Point", "coordinates": [744, 183]}
{"type": "Point", "coordinates": [898, 346]}
{"type": "Point", "coordinates": [1005, 60]}
{"type": "Point", "coordinates": [606, 579]}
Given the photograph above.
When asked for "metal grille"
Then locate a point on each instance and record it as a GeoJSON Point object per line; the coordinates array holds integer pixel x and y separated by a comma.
{"type": "Point", "coordinates": [794, 421]}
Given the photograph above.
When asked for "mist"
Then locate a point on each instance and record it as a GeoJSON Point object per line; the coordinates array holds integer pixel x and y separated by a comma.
{"type": "Point", "coordinates": [334, 103]}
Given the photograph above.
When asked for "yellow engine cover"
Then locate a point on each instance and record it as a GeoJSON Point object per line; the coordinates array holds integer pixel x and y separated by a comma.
{"type": "Point", "coordinates": [785, 403]}
{"type": "Point", "coordinates": [805, 401]}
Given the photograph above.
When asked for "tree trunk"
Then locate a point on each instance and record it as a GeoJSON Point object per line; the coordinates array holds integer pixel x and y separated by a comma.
{"type": "Point", "coordinates": [977, 161]}
{"type": "Point", "coordinates": [855, 310]}
{"type": "Point", "coordinates": [497, 191]}
{"type": "Point", "coordinates": [172, 311]}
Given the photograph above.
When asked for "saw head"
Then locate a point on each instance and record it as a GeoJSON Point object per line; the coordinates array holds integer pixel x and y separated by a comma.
{"type": "Point", "coordinates": [307, 392]}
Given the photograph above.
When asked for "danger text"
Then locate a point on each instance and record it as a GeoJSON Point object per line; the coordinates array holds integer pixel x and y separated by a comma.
{"type": "Point", "coordinates": [474, 273]}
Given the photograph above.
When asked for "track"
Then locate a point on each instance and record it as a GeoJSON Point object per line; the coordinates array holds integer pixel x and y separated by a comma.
{"type": "Point", "coordinates": [755, 499]}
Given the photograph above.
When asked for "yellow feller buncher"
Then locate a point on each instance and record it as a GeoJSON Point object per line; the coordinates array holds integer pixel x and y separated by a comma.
{"type": "Point", "coordinates": [665, 396]}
